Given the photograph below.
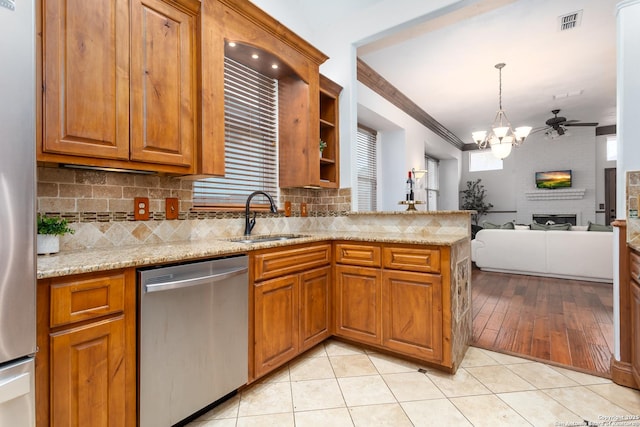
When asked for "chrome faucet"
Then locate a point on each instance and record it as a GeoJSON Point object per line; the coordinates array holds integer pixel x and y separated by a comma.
{"type": "Point", "coordinates": [249, 223]}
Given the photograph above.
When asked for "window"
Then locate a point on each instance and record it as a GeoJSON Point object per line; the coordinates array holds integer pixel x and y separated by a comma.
{"type": "Point", "coordinates": [367, 169]}
{"type": "Point", "coordinates": [612, 148]}
{"type": "Point", "coordinates": [432, 184]}
{"type": "Point", "coordinates": [251, 141]}
{"type": "Point", "coordinates": [483, 160]}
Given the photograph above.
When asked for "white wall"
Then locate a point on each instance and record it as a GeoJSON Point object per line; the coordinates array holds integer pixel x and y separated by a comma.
{"type": "Point", "coordinates": [338, 37]}
{"type": "Point", "coordinates": [506, 188]}
{"type": "Point", "coordinates": [628, 108]}
{"type": "Point", "coordinates": [404, 143]}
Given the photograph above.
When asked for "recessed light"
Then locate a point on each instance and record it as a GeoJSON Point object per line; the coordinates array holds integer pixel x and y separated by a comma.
{"type": "Point", "coordinates": [274, 66]}
{"type": "Point", "coordinates": [255, 56]}
{"type": "Point", "coordinates": [232, 44]}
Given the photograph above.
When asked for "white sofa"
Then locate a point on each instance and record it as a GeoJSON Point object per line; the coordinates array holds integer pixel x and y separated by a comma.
{"type": "Point", "coordinates": [582, 255]}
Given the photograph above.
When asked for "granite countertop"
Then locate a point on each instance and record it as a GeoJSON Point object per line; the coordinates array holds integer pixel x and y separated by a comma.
{"type": "Point", "coordinates": [91, 260]}
{"type": "Point", "coordinates": [412, 212]}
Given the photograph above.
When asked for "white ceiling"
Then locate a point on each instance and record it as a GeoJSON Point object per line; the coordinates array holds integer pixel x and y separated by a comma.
{"type": "Point", "coordinates": [446, 64]}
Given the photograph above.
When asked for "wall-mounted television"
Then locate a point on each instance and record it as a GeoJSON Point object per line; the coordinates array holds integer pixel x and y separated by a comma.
{"type": "Point", "coordinates": [553, 179]}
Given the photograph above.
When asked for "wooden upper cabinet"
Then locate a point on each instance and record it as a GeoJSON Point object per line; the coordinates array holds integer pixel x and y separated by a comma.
{"type": "Point", "coordinates": [86, 78]}
{"type": "Point", "coordinates": [119, 84]}
{"type": "Point", "coordinates": [298, 140]}
{"type": "Point", "coordinates": [242, 22]}
{"type": "Point", "coordinates": [163, 82]}
{"type": "Point", "coordinates": [330, 133]}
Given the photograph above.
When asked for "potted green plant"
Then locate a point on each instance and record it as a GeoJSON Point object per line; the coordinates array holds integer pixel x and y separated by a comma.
{"type": "Point", "coordinates": [323, 145]}
{"type": "Point", "coordinates": [473, 200]}
{"type": "Point", "coordinates": [49, 231]}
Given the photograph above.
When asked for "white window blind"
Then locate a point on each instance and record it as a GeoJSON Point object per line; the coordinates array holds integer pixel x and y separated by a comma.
{"type": "Point", "coordinates": [367, 169]}
{"type": "Point", "coordinates": [251, 141]}
{"type": "Point", "coordinates": [432, 183]}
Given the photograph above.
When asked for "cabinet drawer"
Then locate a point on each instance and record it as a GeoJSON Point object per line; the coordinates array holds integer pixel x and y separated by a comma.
{"type": "Point", "coordinates": [426, 260]}
{"type": "Point", "coordinates": [354, 254]}
{"type": "Point", "coordinates": [85, 298]}
{"type": "Point", "coordinates": [634, 266]}
{"type": "Point", "coordinates": [286, 261]}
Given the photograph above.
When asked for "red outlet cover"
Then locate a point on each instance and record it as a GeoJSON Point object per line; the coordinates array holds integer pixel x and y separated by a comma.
{"type": "Point", "coordinates": [172, 208]}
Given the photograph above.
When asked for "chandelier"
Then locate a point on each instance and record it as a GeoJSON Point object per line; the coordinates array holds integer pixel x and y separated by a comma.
{"type": "Point", "coordinates": [502, 137]}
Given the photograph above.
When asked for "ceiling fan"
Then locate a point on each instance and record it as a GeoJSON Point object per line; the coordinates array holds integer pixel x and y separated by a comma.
{"type": "Point", "coordinates": [556, 126]}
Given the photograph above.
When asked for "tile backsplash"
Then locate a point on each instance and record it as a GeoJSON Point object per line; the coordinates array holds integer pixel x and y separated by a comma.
{"type": "Point", "coordinates": [99, 207]}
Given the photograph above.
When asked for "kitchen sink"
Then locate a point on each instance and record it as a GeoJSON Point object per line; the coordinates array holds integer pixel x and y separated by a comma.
{"type": "Point", "coordinates": [266, 238]}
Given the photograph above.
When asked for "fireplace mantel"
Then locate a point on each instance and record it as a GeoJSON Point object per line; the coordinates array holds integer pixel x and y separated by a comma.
{"type": "Point", "coordinates": [557, 194]}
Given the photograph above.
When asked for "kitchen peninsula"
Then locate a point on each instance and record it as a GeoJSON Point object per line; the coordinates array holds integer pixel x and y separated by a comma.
{"type": "Point", "coordinates": [398, 282]}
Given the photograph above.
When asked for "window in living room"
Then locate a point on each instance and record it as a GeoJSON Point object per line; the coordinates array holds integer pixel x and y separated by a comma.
{"type": "Point", "coordinates": [483, 160]}
{"type": "Point", "coordinates": [612, 148]}
{"type": "Point", "coordinates": [431, 184]}
{"type": "Point", "coordinates": [367, 169]}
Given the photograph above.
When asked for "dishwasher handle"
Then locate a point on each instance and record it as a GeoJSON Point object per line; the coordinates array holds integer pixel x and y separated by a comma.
{"type": "Point", "coordinates": [195, 281]}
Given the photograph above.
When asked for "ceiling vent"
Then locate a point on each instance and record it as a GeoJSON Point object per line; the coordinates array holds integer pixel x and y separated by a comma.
{"type": "Point", "coordinates": [570, 20]}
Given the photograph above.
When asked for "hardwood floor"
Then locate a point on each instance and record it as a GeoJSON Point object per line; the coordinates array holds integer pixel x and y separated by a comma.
{"type": "Point", "coordinates": [564, 322]}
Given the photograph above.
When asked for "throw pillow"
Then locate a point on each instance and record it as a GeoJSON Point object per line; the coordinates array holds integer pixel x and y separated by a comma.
{"type": "Point", "coordinates": [564, 226]}
{"type": "Point", "coordinates": [491, 226]}
{"type": "Point", "coordinates": [599, 227]}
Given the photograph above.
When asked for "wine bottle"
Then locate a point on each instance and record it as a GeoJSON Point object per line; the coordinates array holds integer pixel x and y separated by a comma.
{"type": "Point", "coordinates": [409, 188]}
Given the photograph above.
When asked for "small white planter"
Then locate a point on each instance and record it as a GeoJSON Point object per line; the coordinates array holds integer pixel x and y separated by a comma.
{"type": "Point", "coordinates": [47, 244]}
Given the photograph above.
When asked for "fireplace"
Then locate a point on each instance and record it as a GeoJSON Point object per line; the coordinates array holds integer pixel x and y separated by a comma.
{"type": "Point", "coordinates": [555, 218]}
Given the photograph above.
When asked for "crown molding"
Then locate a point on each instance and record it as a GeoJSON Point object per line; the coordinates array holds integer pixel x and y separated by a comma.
{"type": "Point", "coordinates": [374, 81]}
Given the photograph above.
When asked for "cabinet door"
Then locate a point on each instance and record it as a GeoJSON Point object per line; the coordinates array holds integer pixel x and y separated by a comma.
{"type": "Point", "coordinates": [635, 330]}
{"type": "Point", "coordinates": [412, 313]}
{"type": "Point", "coordinates": [314, 306]}
{"type": "Point", "coordinates": [163, 96]}
{"type": "Point", "coordinates": [357, 303]}
{"type": "Point", "coordinates": [88, 375]}
{"type": "Point", "coordinates": [86, 78]}
{"type": "Point", "coordinates": [276, 323]}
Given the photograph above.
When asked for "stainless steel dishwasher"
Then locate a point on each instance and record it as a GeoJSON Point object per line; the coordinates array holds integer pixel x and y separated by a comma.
{"type": "Point", "coordinates": [193, 333]}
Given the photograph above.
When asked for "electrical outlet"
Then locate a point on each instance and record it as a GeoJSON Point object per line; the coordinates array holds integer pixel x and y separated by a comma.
{"type": "Point", "coordinates": [171, 206]}
{"type": "Point", "coordinates": [141, 208]}
{"type": "Point", "coordinates": [303, 209]}
{"type": "Point", "coordinates": [287, 208]}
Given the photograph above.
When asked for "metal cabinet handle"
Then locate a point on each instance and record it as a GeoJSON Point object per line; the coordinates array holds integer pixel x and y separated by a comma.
{"type": "Point", "coordinates": [185, 283]}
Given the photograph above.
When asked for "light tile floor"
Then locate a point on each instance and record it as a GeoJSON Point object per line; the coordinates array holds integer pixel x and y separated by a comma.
{"type": "Point", "coordinates": [336, 384]}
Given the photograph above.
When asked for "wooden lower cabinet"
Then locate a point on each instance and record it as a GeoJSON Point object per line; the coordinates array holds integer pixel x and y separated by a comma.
{"type": "Point", "coordinates": [86, 360]}
{"type": "Point", "coordinates": [397, 303]}
{"type": "Point", "coordinates": [88, 386]}
{"type": "Point", "coordinates": [412, 313]}
{"type": "Point", "coordinates": [634, 271]}
{"type": "Point", "coordinates": [635, 330]}
{"type": "Point", "coordinates": [357, 303]}
{"type": "Point", "coordinates": [314, 307]}
{"type": "Point", "coordinates": [276, 323]}
{"type": "Point", "coordinates": [291, 312]}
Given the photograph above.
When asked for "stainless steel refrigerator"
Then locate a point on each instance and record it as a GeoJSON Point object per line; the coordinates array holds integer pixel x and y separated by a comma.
{"type": "Point", "coordinates": [17, 213]}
